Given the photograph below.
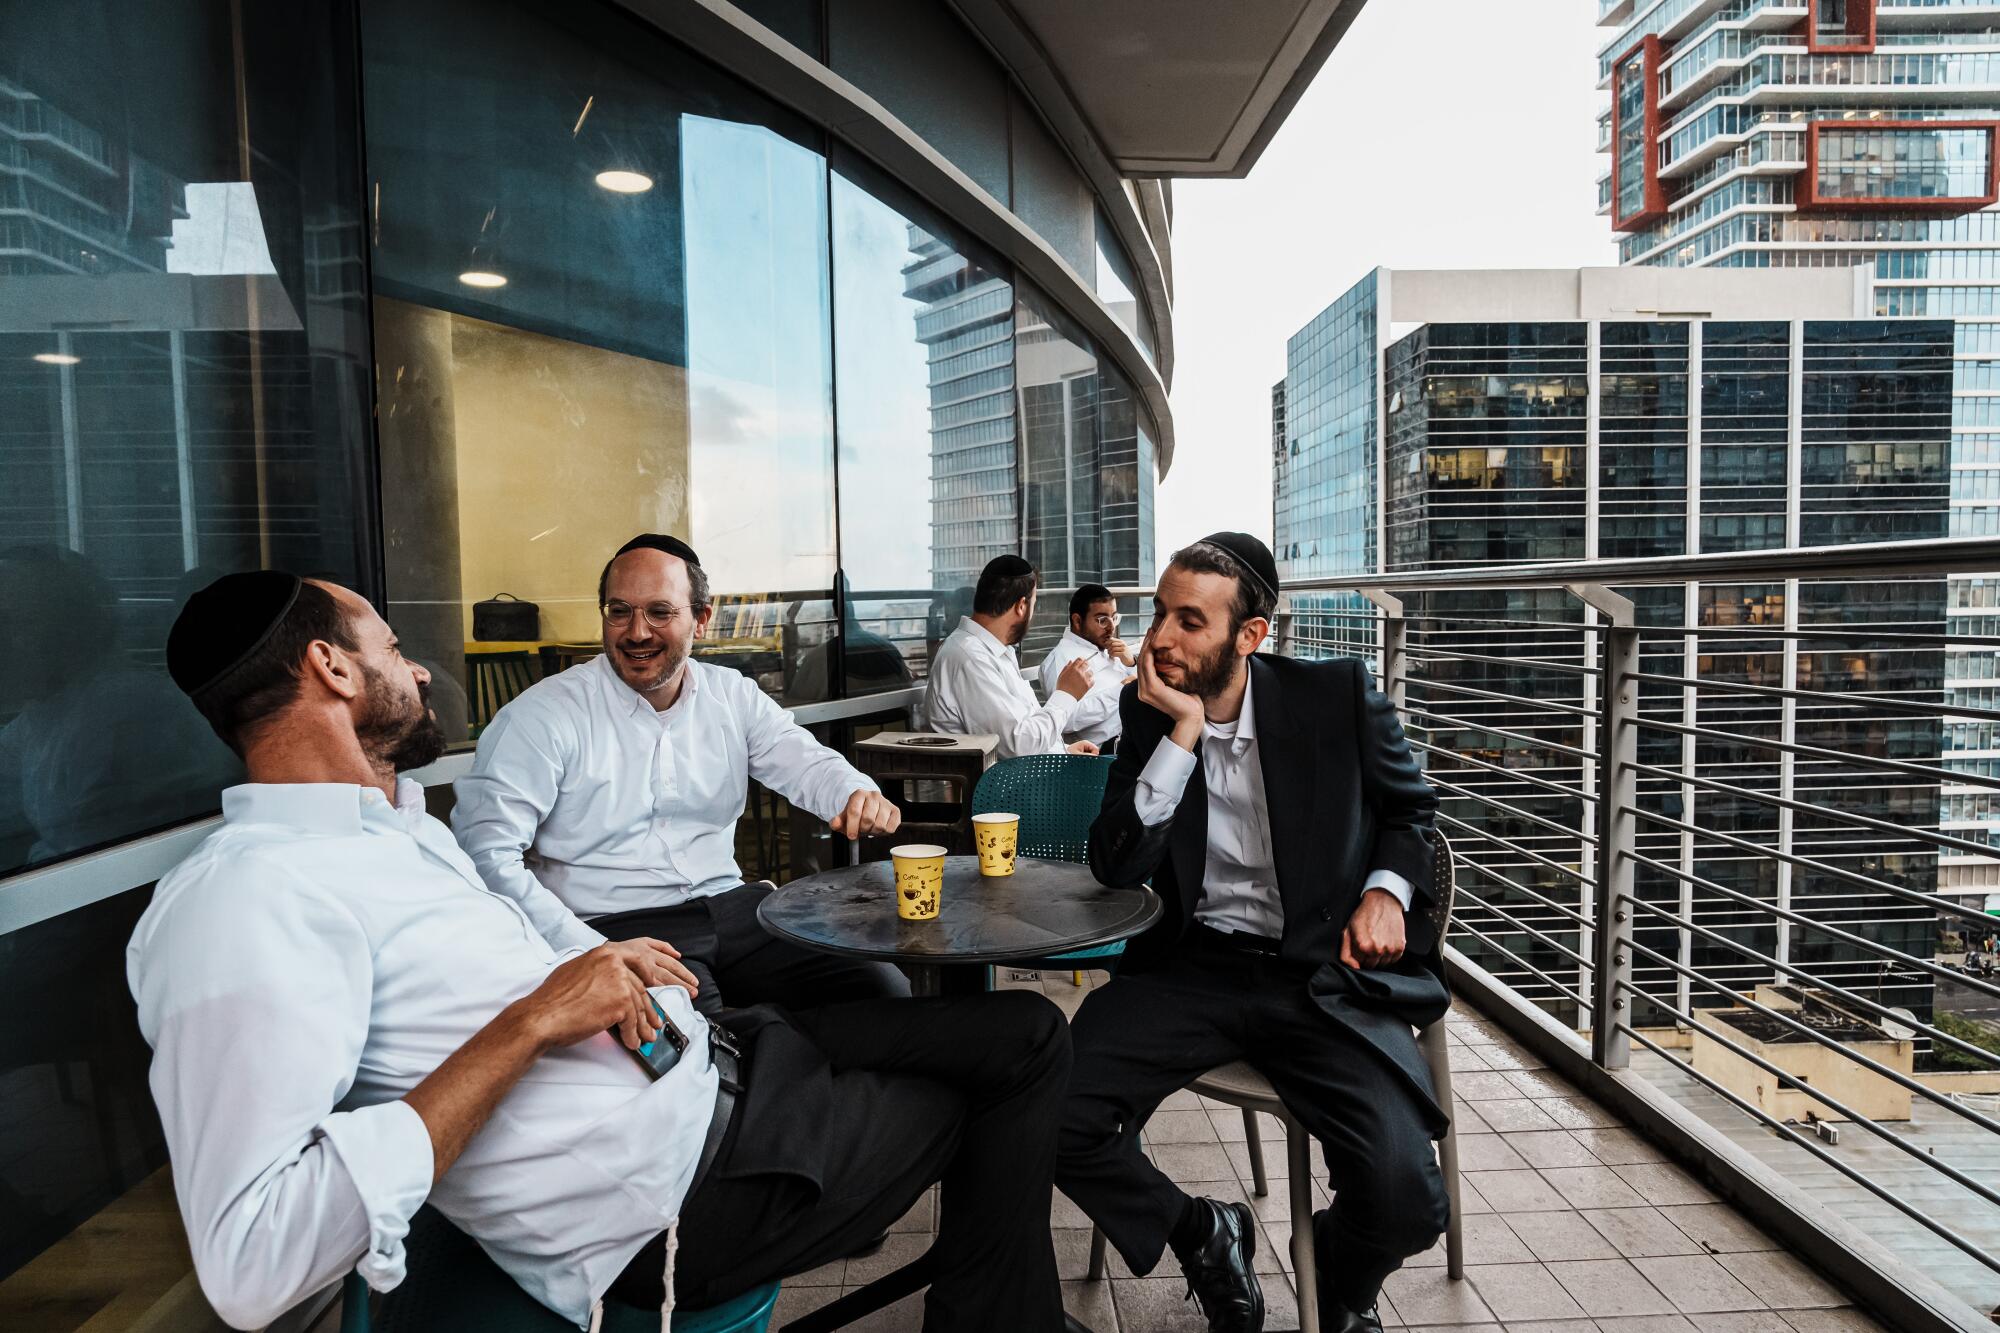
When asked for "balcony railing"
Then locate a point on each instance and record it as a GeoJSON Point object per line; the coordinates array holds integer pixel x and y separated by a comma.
{"type": "Point", "coordinates": [1695, 806]}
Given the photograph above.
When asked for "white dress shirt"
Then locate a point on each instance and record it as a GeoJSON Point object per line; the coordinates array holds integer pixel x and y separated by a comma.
{"type": "Point", "coordinates": [1096, 718]}
{"type": "Point", "coordinates": [307, 966]}
{"type": "Point", "coordinates": [584, 799]}
{"type": "Point", "coordinates": [976, 688]}
{"type": "Point", "coordinates": [1239, 890]}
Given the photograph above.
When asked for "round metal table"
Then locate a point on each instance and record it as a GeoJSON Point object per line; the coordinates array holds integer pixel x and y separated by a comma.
{"type": "Point", "coordinates": [1043, 908]}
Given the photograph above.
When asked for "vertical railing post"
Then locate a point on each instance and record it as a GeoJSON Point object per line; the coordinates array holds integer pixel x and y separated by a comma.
{"type": "Point", "coordinates": [1617, 826]}
{"type": "Point", "coordinates": [1395, 639]}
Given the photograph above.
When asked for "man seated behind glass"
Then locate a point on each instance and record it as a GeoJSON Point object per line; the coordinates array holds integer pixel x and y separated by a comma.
{"type": "Point", "coordinates": [604, 800]}
{"type": "Point", "coordinates": [347, 1024]}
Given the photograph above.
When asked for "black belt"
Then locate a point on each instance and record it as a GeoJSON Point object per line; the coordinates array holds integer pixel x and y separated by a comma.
{"type": "Point", "coordinates": [728, 1059]}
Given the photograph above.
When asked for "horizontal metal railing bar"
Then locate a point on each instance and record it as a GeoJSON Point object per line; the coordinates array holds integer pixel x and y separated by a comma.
{"type": "Point", "coordinates": [1872, 1007]}
{"type": "Point", "coordinates": [1873, 561]}
{"type": "Point", "coordinates": [1415, 617]}
{"type": "Point", "coordinates": [1812, 1146]}
{"type": "Point", "coordinates": [1881, 763]}
{"type": "Point", "coordinates": [1527, 929]}
{"type": "Point", "coordinates": [1875, 947]}
{"type": "Point", "coordinates": [1516, 848]}
{"type": "Point", "coordinates": [1536, 895]}
{"type": "Point", "coordinates": [1924, 835]}
{"type": "Point", "coordinates": [1511, 774]}
{"type": "Point", "coordinates": [1907, 707]}
{"type": "Point", "coordinates": [1819, 1094]}
{"type": "Point", "coordinates": [1552, 705]}
{"type": "Point", "coordinates": [1469, 725]}
{"type": "Point", "coordinates": [1859, 631]}
{"type": "Point", "coordinates": [1913, 896]}
{"type": "Point", "coordinates": [1572, 996]}
{"type": "Point", "coordinates": [1427, 654]}
{"type": "Point", "coordinates": [1495, 803]}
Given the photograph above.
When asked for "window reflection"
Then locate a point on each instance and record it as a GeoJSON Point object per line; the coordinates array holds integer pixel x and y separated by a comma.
{"type": "Point", "coordinates": [924, 344]}
{"type": "Point", "coordinates": [656, 357]}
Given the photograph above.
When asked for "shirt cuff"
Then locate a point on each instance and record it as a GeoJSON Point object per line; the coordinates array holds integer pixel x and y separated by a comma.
{"type": "Point", "coordinates": [1399, 888]}
{"type": "Point", "coordinates": [576, 937]}
{"type": "Point", "coordinates": [387, 1152]}
{"type": "Point", "coordinates": [1062, 703]}
{"type": "Point", "coordinates": [1162, 782]}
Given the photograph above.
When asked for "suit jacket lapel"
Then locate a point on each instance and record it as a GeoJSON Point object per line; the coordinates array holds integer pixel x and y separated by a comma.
{"type": "Point", "coordinates": [1285, 751]}
{"type": "Point", "coordinates": [1189, 844]}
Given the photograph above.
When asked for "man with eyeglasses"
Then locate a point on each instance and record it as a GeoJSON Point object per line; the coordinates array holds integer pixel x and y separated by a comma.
{"type": "Point", "coordinates": [604, 800]}
{"type": "Point", "coordinates": [1092, 638]}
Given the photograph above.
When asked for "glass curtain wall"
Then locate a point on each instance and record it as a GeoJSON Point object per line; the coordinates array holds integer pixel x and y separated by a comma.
{"type": "Point", "coordinates": [614, 320]}
{"type": "Point", "coordinates": [183, 392]}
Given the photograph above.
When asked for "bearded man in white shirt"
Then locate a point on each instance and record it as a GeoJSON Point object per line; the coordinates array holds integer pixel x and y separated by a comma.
{"type": "Point", "coordinates": [1277, 809]}
{"type": "Point", "coordinates": [604, 800]}
{"type": "Point", "coordinates": [347, 1024]}
{"type": "Point", "coordinates": [1092, 638]}
{"type": "Point", "coordinates": [976, 687]}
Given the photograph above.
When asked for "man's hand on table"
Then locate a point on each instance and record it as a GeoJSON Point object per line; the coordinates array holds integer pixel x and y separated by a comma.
{"type": "Point", "coordinates": [1374, 934]}
{"type": "Point", "coordinates": [1082, 747]}
{"type": "Point", "coordinates": [867, 812]}
{"type": "Point", "coordinates": [655, 963]}
{"type": "Point", "coordinates": [585, 996]}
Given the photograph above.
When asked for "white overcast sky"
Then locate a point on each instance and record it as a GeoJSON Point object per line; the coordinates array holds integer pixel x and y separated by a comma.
{"type": "Point", "coordinates": [1439, 134]}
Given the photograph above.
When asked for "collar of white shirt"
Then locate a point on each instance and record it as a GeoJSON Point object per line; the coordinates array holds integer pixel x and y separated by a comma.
{"type": "Point", "coordinates": [336, 808]}
{"type": "Point", "coordinates": [627, 697]}
{"type": "Point", "coordinates": [1080, 647]}
{"type": "Point", "coordinates": [1246, 724]}
{"type": "Point", "coordinates": [985, 638]}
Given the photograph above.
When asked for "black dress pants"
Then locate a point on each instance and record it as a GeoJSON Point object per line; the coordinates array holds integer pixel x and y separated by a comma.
{"type": "Point", "coordinates": [731, 954]}
{"type": "Point", "coordinates": [965, 1091]}
{"type": "Point", "coordinates": [1149, 1034]}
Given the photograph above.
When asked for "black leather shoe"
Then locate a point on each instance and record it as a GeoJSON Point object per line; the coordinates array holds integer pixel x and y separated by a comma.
{"type": "Point", "coordinates": [1337, 1318]}
{"type": "Point", "coordinates": [1071, 1324]}
{"type": "Point", "coordinates": [1218, 1269]}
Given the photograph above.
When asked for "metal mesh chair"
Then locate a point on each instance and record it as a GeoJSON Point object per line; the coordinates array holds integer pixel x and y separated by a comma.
{"type": "Point", "coordinates": [453, 1287]}
{"type": "Point", "coordinates": [1057, 797]}
{"type": "Point", "coordinates": [1242, 1086]}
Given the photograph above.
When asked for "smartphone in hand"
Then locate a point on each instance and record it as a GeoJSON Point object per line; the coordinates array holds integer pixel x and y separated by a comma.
{"type": "Point", "coordinates": [664, 1051]}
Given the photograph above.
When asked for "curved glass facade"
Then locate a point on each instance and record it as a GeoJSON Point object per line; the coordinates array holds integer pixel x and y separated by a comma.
{"type": "Point", "coordinates": [444, 300]}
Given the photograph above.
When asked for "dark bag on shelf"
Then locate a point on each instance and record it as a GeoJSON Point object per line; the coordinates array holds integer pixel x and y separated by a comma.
{"type": "Point", "coordinates": [506, 617]}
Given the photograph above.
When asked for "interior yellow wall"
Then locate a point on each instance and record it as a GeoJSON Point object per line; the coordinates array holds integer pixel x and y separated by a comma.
{"type": "Point", "coordinates": [563, 452]}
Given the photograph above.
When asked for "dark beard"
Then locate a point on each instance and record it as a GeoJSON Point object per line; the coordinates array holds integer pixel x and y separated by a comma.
{"type": "Point", "coordinates": [1211, 675]}
{"type": "Point", "coordinates": [396, 739]}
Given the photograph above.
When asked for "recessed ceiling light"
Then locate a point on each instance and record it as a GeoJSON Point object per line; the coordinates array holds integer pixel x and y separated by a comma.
{"type": "Point", "coordinates": [57, 358]}
{"type": "Point", "coordinates": [625, 182]}
{"type": "Point", "coordinates": [481, 278]}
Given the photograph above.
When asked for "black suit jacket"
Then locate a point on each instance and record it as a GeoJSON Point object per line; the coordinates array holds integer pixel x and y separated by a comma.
{"type": "Point", "coordinates": [1346, 798]}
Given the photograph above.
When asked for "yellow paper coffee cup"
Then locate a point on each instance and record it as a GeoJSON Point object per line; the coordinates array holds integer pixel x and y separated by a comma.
{"type": "Point", "coordinates": [996, 837]}
{"type": "Point", "coordinates": [919, 879]}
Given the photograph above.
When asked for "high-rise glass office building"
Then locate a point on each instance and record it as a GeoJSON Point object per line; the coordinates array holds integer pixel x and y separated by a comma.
{"type": "Point", "coordinates": [1528, 416]}
{"type": "Point", "coordinates": [444, 300]}
{"type": "Point", "coordinates": [1813, 133]}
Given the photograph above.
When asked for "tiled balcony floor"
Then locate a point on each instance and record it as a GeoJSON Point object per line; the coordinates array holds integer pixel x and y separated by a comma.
{"type": "Point", "coordinates": [1572, 1224]}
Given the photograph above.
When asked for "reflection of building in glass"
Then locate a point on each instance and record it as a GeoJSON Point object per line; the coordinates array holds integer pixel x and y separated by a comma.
{"type": "Point", "coordinates": [965, 321]}
{"type": "Point", "coordinates": [1523, 419]}
{"type": "Point", "coordinates": [1741, 137]}
{"type": "Point", "coordinates": [69, 203]}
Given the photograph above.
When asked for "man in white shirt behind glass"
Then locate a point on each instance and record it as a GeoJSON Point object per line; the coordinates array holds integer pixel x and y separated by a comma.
{"type": "Point", "coordinates": [976, 687]}
{"type": "Point", "coordinates": [1092, 638]}
{"type": "Point", "coordinates": [347, 1023]}
{"type": "Point", "coordinates": [1278, 812]}
{"type": "Point", "coordinates": [604, 800]}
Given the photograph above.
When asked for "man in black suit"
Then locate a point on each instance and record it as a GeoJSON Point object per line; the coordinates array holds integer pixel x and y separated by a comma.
{"type": "Point", "coordinates": [1277, 809]}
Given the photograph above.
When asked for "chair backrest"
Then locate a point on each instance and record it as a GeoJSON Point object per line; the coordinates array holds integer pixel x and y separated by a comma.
{"type": "Point", "coordinates": [1056, 795]}
{"type": "Point", "coordinates": [1444, 886]}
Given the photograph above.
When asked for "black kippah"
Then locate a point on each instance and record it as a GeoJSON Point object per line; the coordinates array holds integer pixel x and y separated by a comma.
{"type": "Point", "coordinates": [1252, 554]}
{"type": "Point", "coordinates": [658, 541]}
{"type": "Point", "coordinates": [224, 625]}
{"type": "Point", "coordinates": [1005, 567]}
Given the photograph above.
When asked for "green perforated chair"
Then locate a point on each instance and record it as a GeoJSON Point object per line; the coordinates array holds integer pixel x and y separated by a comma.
{"type": "Point", "coordinates": [1057, 797]}
{"type": "Point", "coordinates": [453, 1287]}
